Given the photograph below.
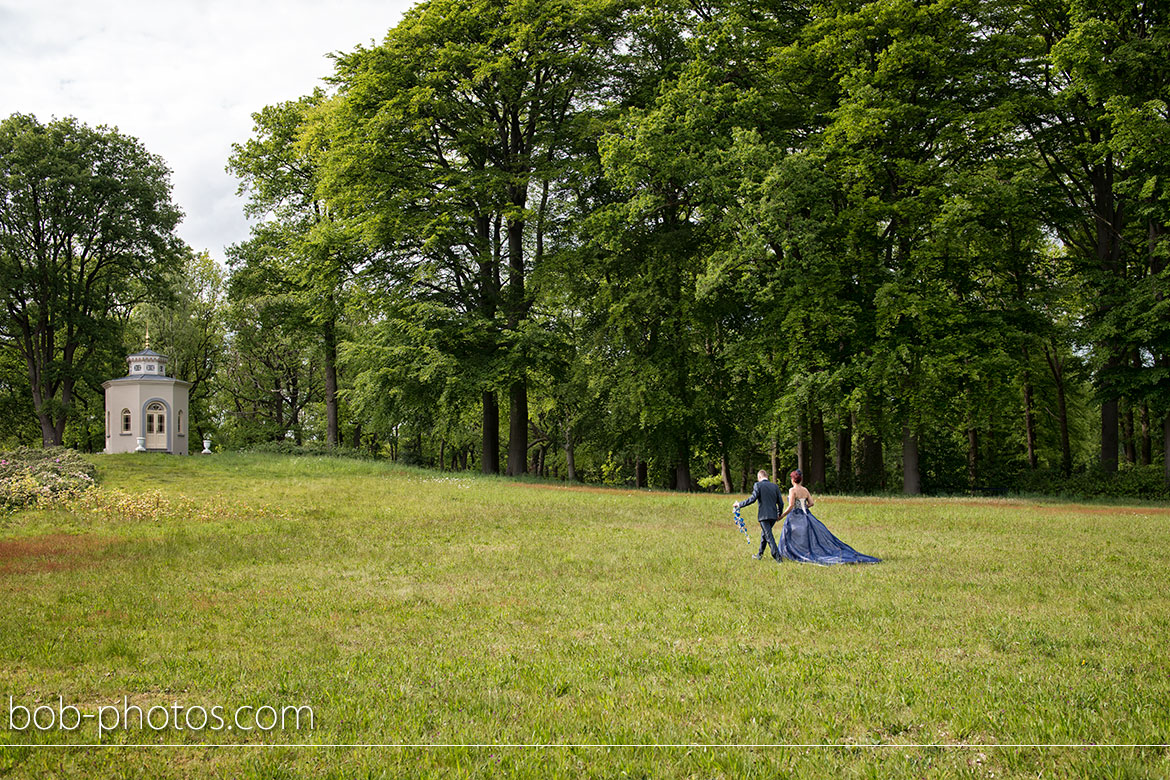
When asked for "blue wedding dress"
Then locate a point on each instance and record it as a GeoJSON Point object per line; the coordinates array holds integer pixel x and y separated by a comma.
{"type": "Point", "coordinates": [806, 539]}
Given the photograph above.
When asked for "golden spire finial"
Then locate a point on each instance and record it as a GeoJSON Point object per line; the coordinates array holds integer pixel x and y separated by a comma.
{"type": "Point", "coordinates": [148, 335]}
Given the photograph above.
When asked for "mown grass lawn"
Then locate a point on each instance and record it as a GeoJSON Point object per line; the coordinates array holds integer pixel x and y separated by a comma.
{"type": "Point", "coordinates": [412, 607]}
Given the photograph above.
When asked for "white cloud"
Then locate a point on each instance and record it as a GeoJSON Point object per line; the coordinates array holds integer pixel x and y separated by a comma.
{"type": "Point", "coordinates": [183, 77]}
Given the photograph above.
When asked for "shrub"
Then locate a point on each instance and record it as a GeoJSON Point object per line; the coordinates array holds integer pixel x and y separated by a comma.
{"type": "Point", "coordinates": [712, 483]}
{"type": "Point", "coordinates": [1141, 482]}
{"type": "Point", "coordinates": [311, 448]}
{"type": "Point", "coordinates": [31, 477]}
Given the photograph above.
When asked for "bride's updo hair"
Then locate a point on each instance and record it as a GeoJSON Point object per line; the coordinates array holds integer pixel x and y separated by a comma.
{"type": "Point", "coordinates": [797, 476]}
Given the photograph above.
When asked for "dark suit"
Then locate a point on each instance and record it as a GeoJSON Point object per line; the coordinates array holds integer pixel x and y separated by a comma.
{"type": "Point", "coordinates": [768, 494]}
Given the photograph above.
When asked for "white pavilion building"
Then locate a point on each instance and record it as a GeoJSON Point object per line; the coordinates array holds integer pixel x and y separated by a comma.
{"type": "Point", "coordinates": [146, 410]}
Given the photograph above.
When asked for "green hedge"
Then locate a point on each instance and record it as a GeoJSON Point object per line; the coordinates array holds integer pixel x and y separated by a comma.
{"type": "Point", "coordinates": [1140, 482]}
{"type": "Point", "coordinates": [310, 448]}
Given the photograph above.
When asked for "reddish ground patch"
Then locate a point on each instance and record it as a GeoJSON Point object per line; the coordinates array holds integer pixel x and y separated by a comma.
{"type": "Point", "coordinates": [50, 552]}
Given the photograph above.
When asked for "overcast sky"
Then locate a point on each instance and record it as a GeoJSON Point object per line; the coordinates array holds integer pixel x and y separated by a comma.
{"type": "Point", "coordinates": [183, 76]}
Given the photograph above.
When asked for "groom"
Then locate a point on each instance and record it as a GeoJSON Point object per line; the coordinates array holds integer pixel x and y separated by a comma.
{"type": "Point", "coordinates": [768, 495]}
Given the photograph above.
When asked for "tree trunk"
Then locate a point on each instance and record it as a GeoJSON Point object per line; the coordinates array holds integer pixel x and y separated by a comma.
{"type": "Point", "coordinates": [1109, 420]}
{"type": "Point", "coordinates": [801, 448]}
{"type": "Point", "coordinates": [356, 441]}
{"type": "Point", "coordinates": [1056, 366]}
{"type": "Point", "coordinates": [294, 419]}
{"type": "Point", "coordinates": [66, 405]}
{"type": "Point", "coordinates": [1029, 416]}
{"type": "Point", "coordinates": [48, 430]}
{"type": "Point", "coordinates": [816, 478]}
{"type": "Point", "coordinates": [725, 472]}
{"type": "Point", "coordinates": [489, 291]}
{"type": "Point", "coordinates": [1127, 433]}
{"type": "Point", "coordinates": [518, 429]}
{"type": "Point", "coordinates": [843, 457]}
{"type": "Point", "coordinates": [911, 480]}
{"type": "Point", "coordinates": [570, 458]}
{"type": "Point", "coordinates": [491, 434]}
{"type": "Point", "coordinates": [43, 391]}
{"type": "Point", "coordinates": [1166, 450]}
{"type": "Point", "coordinates": [442, 454]}
{"type": "Point", "coordinates": [332, 435]}
{"type": "Point", "coordinates": [972, 454]}
{"type": "Point", "coordinates": [1146, 453]}
{"type": "Point", "coordinates": [1108, 222]}
{"type": "Point", "coordinates": [775, 461]}
{"type": "Point", "coordinates": [640, 473]}
{"type": "Point", "coordinates": [516, 311]}
{"type": "Point", "coordinates": [1065, 443]}
{"type": "Point", "coordinates": [682, 473]}
{"type": "Point", "coordinates": [278, 409]}
{"type": "Point", "coordinates": [873, 467]}
{"type": "Point", "coordinates": [1157, 265]}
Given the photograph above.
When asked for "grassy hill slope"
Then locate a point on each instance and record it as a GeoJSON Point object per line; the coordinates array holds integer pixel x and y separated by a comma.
{"type": "Point", "coordinates": [416, 608]}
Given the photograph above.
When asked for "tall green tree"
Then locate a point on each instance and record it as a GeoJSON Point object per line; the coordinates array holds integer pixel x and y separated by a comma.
{"type": "Point", "coordinates": [300, 248]}
{"type": "Point", "coordinates": [270, 377]}
{"type": "Point", "coordinates": [1091, 63]}
{"type": "Point", "coordinates": [920, 105]}
{"type": "Point", "coordinates": [668, 289]}
{"type": "Point", "coordinates": [191, 330]}
{"type": "Point", "coordinates": [440, 138]}
{"type": "Point", "coordinates": [86, 232]}
{"type": "Point", "coordinates": [1133, 75]}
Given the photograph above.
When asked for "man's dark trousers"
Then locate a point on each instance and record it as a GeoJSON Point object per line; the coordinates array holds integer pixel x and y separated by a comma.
{"type": "Point", "coordinates": [766, 538]}
{"type": "Point", "coordinates": [768, 494]}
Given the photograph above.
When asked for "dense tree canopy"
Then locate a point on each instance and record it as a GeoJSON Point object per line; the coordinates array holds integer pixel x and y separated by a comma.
{"type": "Point", "coordinates": [86, 232]}
{"type": "Point", "coordinates": [907, 246]}
{"type": "Point", "coordinates": [912, 245]}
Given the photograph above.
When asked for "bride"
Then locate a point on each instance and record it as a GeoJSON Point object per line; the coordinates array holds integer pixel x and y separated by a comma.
{"type": "Point", "coordinates": [804, 538]}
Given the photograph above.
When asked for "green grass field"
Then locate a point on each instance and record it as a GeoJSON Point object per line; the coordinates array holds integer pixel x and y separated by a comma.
{"type": "Point", "coordinates": [416, 608]}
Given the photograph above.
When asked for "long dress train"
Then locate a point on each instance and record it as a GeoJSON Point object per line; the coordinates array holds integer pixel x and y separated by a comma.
{"type": "Point", "coordinates": [806, 539]}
